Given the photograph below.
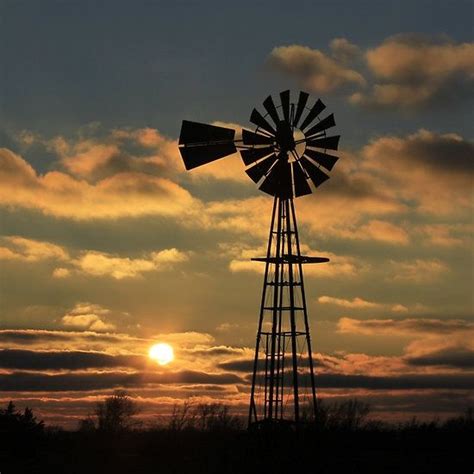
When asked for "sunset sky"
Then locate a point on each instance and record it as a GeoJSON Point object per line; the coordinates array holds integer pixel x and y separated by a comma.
{"type": "Point", "coordinates": [108, 246]}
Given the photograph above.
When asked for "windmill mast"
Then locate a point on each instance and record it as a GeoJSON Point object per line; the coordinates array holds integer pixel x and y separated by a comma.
{"type": "Point", "coordinates": [282, 158]}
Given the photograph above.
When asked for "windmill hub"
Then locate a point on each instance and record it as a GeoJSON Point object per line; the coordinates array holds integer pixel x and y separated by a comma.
{"type": "Point", "coordinates": [285, 153]}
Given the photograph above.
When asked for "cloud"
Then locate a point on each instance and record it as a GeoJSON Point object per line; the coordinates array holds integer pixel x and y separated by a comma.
{"type": "Point", "coordinates": [104, 264]}
{"type": "Point", "coordinates": [445, 235]}
{"type": "Point", "coordinates": [53, 340]}
{"type": "Point", "coordinates": [405, 71]}
{"type": "Point", "coordinates": [185, 339]}
{"type": "Point", "coordinates": [458, 357]}
{"type": "Point", "coordinates": [94, 155]}
{"type": "Point", "coordinates": [61, 272]}
{"type": "Point", "coordinates": [357, 303]}
{"type": "Point", "coordinates": [315, 70]}
{"type": "Point", "coordinates": [418, 270]}
{"type": "Point", "coordinates": [352, 366]}
{"type": "Point", "coordinates": [343, 50]}
{"type": "Point", "coordinates": [29, 250]}
{"type": "Point", "coordinates": [124, 194]}
{"type": "Point", "coordinates": [415, 71]}
{"type": "Point", "coordinates": [88, 317]}
{"type": "Point", "coordinates": [402, 382]}
{"type": "Point", "coordinates": [39, 382]}
{"type": "Point", "coordinates": [89, 262]}
{"type": "Point", "coordinates": [21, 359]}
{"type": "Point", "coordinates": [90, 322]}
{"type": "Point", "coordinates": [432, 170]}
{"type": "Point", "coordinates": [383, 232]}
{"type": "Point", "coordinates": [404, 327]}
{"type": "Point", "coordinates": [339, 265]}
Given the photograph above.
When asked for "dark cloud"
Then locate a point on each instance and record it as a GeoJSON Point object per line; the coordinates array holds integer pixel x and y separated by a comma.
{"type": "Point", "coordinates": [459, 358]}
{"type": "Point", "coordinates": [446, 153]}
{"type": "Point", "coordinates": [34, 336]}
{"type": "Point", "coordinates": [71, 360]}
{"type": "Point", "coordinates": [246, 365]}
{"type": "Point", "coordinates": [402, 382]}
{"type": "Point", "coordinates": [409, 326]}
{"type": "Point", "coordinates": [37, 382]}
{"type": "Point", "coordinates": [453, 357]}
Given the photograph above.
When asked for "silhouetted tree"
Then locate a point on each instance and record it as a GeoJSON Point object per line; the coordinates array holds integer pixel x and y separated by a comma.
{"type": "Point", "coordinates": [216, 417]}
{"type": "Point", "coordinates": [182, 417]}
{"type": "Point", "coordinates": [349, 415]}
{"type": "Point", "coordinates": [14, 422]}
{"type": "Point", "coordinates": [115, 414]}
{"type": "Point", "coordinates": [203, 417]}
{"type": "Point", "coordinates": [87, 425]}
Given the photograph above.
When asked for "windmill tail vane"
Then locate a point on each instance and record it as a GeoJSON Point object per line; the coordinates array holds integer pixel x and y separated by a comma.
{"type": "Point", "coordinates": [286, 156]}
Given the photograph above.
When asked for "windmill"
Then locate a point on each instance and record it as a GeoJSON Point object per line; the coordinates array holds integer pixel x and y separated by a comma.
{"type": "Point", "coordinates": [284, 155]}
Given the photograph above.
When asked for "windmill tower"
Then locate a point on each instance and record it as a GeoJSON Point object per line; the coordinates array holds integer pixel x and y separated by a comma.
{"type": "Point", "coordinates": [285, 153]}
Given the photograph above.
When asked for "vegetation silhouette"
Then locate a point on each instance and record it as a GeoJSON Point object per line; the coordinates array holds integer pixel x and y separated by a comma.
{"type": "Point", "coordinates": [208, 438]}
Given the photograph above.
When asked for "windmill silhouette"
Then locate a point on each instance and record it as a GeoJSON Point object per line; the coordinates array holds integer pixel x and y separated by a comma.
{"type": "Point", "coordinates": [285, 153]}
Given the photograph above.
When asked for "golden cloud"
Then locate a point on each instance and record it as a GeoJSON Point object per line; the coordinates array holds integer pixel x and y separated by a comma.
{"type": "Point", "coordinates": [104, 264]}
{"type": "Point", "coordinates": [339, 265]}
{"type": "Point", "coordinates": [88, 317]}
{"type": "Point", "coordinates": [355, 303]}
{"type": "Point", "coordinates": [121, 195]}
{"type": "Point", "coordinates": [416, 71]}
{"type": "Point", "coordinates": [30, 250]}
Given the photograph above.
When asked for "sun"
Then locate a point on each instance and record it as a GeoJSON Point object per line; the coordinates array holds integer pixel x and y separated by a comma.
{"type": "Point", "coordinates": [162, 353]}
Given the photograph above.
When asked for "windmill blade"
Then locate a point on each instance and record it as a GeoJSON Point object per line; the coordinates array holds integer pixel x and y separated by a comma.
{"type": "Point", "coordinates": [271, 109]}
{"type": "Point", "coordinates": [194, 156]}
{"type": "Point", "coordinates": [257, 119]}
{"type": "Point", "coordinates": [278, 181]}
{"type": "Point", "coordinates": [254, 154]}
{"type": "Point", "coordinates": [252, 138]}
{"type": "Point", "coordinates": [325, 160]}
{"type": "Point", "coordinates": [256, 172]}
{"type": "Point", "coordinates": [316, 175]}
{"type": "Point", "coordinates": [325, 123]}
{"type": "Point", "coordinates": [285, 104]}
{"type": "Point", "coordinates": [195, 132]}
{"type": "Point", "coordinates": [328, 143]}
{"type": "Point", "coordinates": [317, 108]}
{"type": "Point", "coordinates": [301, 185]}
{"type": "Point", "coordinates": [302, 99]}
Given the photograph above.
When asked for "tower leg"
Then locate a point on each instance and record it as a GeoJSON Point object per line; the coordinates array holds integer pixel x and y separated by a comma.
{"type": "Point", "coordinates": [305, 313]}
{"type": "Point", "coordinates": [253, 417]}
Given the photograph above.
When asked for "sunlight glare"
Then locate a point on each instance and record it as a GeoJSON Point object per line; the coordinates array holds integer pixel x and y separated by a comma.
{"type": "Point", "coordinates": [162, 353]}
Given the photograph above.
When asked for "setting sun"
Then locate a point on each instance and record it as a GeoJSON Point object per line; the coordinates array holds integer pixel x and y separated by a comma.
{"type": "Point", "coordinates": [162, 353]}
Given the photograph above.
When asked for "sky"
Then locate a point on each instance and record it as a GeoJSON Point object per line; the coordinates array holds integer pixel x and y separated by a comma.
{"type": "Point", "coordinates": [107, 244]}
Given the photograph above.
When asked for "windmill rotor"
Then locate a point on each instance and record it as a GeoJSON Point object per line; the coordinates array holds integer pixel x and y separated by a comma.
{"type": "Point", "coordinates": [284, 153]}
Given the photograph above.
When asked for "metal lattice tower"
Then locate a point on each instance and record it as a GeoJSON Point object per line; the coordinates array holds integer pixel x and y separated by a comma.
{"type": "Point", "coordinates": [283, 363]}
{"type": "Point", "coordinates": [285, 153]}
